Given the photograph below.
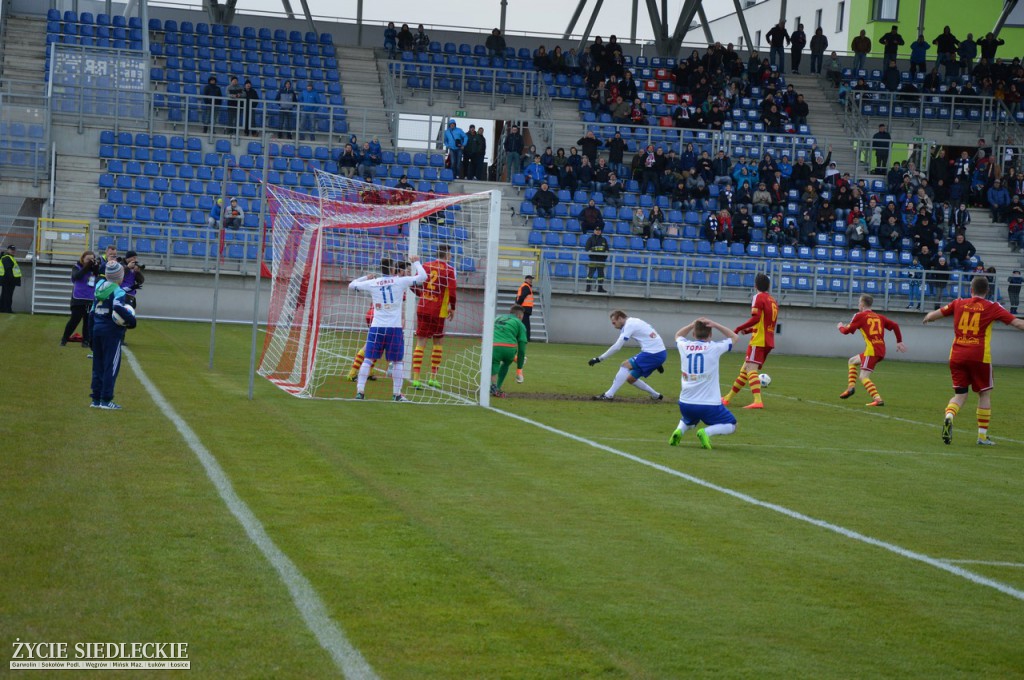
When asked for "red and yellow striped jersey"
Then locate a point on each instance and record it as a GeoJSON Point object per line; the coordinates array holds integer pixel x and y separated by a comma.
{"type": "Point", "coordinates": [764, 312]}
{"type": "Point", "coordinates": [873, 326]}
{"type": "Point", "coordinates": [972, 327]}
{"type": "Point", "coordinates": [437, 294]}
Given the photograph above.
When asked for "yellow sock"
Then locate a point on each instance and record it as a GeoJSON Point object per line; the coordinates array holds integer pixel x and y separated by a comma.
{"type": "Point", "coordinates": [417, 362]}
{"type": "Point", "coordinates": [952, 408]}
{"type": "Point", "coordinates": [984, 416]}
{"type": "Point", "coordinates": [435, 358]}
{"type": "Point", "coordinates": [755, 385]}
{"type": "Point", "coordinates": [870, 387]}
{"type": "Point", "coordinates": [738, 384]}
{"type": "Point", "coordinates": [851, 377]}
{"type": "Point", "coordinates": [357, 363]}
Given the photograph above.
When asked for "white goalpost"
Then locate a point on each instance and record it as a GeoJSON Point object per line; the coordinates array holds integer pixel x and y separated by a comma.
{"type": "Point", "coordinates": [317, 327]}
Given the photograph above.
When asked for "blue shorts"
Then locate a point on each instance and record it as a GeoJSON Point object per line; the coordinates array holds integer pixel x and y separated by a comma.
{"type": "Point", "coordinates": [646, 363]}
{"type": "Point", "coordinates": [710, 414]}
{"type": "Point", "coordinates": [385, 341]}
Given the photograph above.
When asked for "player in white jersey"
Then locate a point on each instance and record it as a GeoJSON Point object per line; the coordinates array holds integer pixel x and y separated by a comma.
{"type": "Point", "coordinates": [385, 336]}
{"type": "Point", "coordinates": [700, 398]}
{"type": "Point", "coordinates": [650, 359]}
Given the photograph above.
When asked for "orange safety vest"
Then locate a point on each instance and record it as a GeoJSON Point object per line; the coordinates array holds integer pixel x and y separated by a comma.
{"type": "Point", "coordinates": [528, 300]}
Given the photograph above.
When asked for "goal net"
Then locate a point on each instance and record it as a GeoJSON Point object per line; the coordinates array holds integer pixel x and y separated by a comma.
{"type": "Point", "coordinates": [317, 326]}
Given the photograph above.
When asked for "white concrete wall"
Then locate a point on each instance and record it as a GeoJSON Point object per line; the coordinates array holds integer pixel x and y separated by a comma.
{"type": "Point", "coordinates": [764, 15]}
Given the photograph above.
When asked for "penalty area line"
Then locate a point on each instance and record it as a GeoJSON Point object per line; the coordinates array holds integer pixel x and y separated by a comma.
{"type": "Point", "coordinates": [312, 609]}
{"type": "Point", "coordinates": [943, 565]}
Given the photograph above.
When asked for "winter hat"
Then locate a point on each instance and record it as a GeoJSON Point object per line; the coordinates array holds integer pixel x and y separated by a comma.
{"type": "Point", "coordinates": [114, 271]}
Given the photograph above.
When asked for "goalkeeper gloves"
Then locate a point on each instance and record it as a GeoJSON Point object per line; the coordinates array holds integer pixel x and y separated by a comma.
{"type": "Point", "coordinates": [595, 360]}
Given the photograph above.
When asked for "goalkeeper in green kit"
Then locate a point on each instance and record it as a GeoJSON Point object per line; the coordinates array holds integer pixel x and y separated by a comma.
{"type": "Point", "coordinates": [509, 346]}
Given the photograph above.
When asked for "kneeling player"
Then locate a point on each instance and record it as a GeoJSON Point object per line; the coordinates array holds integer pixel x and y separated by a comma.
{"type": "Point", "coordinates": [700, 399]}
{"type": "Point", "coordinates": [651, 357]}
{"type": "Point", "coordinates": [872, 326]}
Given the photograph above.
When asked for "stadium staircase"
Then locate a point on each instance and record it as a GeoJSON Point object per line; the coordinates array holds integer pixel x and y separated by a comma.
{"type": "Point", "coordinates": [24, 53]}
{"type": "Point", "coordinates": [357, 67]}
{"type": "Point", "coordinates": [51, 289]}
{"type": "Point", "coordinates": [825, 120]}
{"type": "Point", "coordinates": [538, 325]}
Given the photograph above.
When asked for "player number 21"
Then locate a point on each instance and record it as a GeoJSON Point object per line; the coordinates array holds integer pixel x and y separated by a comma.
{"type": "Point", "coordinates": [970, 322]}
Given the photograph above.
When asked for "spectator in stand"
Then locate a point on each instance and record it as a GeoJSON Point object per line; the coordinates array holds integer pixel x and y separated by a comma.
{"type": "Point", "coordinates": [391, 40]}
{"type": "Point", "coordinates": [572, 62]}
{"type": "Point", "coordinates": [891, 76]}
{"type": "Point", "coordinates": [589, 144]}
{"type": "Point", "coordinates": [968, 52]}
{"type": "Point", "coordinates": [880, 143]}
{"type": "Point", "coordinates": [348, 161]}
{"type": "Point", "coordinates": [369, 158]}
{"type": "Point", "coordinates": [627, 87]}
{"type": "Point", "coordinates": [591, 218]}
{"type": "Point", "coordinates": [819, 43]}
{"type": "Point", "coordinates": [797, 42]}
{"type": "Point", "coordinates": [602, 172]}
{"type": "Point", "coordinates": [798, 114]}
{"type": "Point", "coordinates": [946, 44]}
{"type": "Point", "coordinates": [236, 98]}
{"type": "Point", "coordinates": [891, 42]}
{"type": "Point", "coordinates": [861, 45]}
{"type": "Point", "coordinates": [742, 227]}
{"type": "Point", "coordinates": [585, 175]}
{"type": "Point", "coordinates": [891, 233]}
{"type": "Point", "coordinates": [667, 182]}
{"type": "Point", "coordinates": [541, 62]}
{"type": "Point", "coordinates": [1015, 223]}
{"type": "Point", "coordinates": [834, 70]}
{"type": "Point", "coordinates": [495, 44]}
{"type": "Point", "coordinates": [474, 152]}
{"type": "Point", "coordinates": [234, 216]}
{"type": "Point", "coordinates": [819, 164]}
{"type": "Point", "coordinates": [513, 145]}
{"type": "Point", "coordinates": [998, 201]}
{"type": "Point", "coordinates": [711, 230]}
{"type": "Point", "coordinates": [454, 141]}
{"type": "Point", "coordinates": [960, 253]}
{"type": "Point", "coordinates": [211, 100]}
{"type": "Point", "coordinates": [613, 191]}
{"type": "Point", "coordinates": [535, 173]}
{"type": "Point", "coordinates": [1013, 284]}
{"type": "Point", "coordinates": [547, 159]}
{"type": "Point", "coordinates": [251, 99]}
{"type": "Point", "coordinates": [544, 200]}
{"type": "Point", "coordinates": [697, 190]}
{"type": "Point", "coordinates": [646, 228]}
{"type": "Point", "coordinates": [650, 169]}
{"type": "Point", "coordinates": [616, 150]}
{"type": "Point", "coordinates": [988, 45]}
{"type": "Point", "coordinates": [621, 111]}
{"type": "Point", "coordinates": [597, 248]}
{"type": "Point", "coordinates": [406, 41]}
{"type": "Point", "coordinates": [777, 38]}
{"type": "Point", "coordinates": [721, 167]}
{"type": "Point", "coordinates": [421, 41]}
{"type": "Point", "coordinates": [766, 168]}
{"type": "Point", "coordinates": [919, 55]}
{"type": "Point", "coordinates": [286, 102]}
{"type": "Point", "coordinates": [744, 196]}
{"type": "Point", "coordinates": [310, 107]}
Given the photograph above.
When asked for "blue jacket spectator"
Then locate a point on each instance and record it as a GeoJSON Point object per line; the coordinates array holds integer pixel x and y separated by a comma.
{"type": "Point", "coordinates": [391, 39]}
{"type": "Point", "coordinates": [998, 201]}
{"type": "Point", "coordinates": [310, 106]}
{"type": "Point", "coordinates": [535, 173]}
{"type": "Point", "coordinates": [454, 141]}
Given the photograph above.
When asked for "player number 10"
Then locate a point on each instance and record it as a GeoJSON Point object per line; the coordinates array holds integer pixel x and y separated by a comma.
{"type": "Point", "coordinates": [695, 364]}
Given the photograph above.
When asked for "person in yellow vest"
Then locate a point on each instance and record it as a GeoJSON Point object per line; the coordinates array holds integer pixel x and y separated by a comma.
{"type": "Point", "coordinates": [10, 278]}
{"type": "Point", "coordinates": [524, 298]}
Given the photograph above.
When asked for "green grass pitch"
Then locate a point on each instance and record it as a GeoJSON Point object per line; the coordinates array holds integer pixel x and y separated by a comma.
{"type": "Point", "coordinates": [457, 542]}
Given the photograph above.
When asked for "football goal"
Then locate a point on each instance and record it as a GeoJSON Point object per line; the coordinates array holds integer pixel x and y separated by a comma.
{"type": "Point", "coordinates": [317, 327]}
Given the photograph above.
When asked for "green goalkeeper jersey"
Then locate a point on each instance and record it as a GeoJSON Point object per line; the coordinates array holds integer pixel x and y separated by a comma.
{"type": "Point", "coordinates": [509, 331]}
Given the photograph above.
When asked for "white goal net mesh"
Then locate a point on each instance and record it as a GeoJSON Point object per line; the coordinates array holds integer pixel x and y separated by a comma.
{"type": "Point", "coordinates": [317, 326]}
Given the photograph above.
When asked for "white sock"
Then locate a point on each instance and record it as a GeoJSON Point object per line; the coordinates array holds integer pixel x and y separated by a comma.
{"type": "Point", "coordinates": [683, 427]}
{"type": "Point", "coordinates": [641, 385]}
{"type": "Point", "coordinates": [364, 374]}
{"type": "Point", "coordinates": [397, 376]}
{"type": "Point", "coordinates": [620, 380]}
{"type": "Point", "coordinates": [713, 430]}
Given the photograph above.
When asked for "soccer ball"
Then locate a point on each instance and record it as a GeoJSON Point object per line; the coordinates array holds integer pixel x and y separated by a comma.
{"type": "Point", "coordinates": [123, 315]}
{"type": "Point", "coordinates": [766, 380]}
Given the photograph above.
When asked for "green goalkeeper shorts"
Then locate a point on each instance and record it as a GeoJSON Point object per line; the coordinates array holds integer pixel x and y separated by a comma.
{"type": "Point", "coordinates": [502, 355]}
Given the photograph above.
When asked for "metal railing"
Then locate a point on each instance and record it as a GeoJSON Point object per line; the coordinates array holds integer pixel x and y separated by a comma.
{"type": "Point", "coordinates": [492, 85]}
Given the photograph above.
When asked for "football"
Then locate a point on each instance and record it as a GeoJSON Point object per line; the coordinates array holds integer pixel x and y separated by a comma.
{"type": "Point", "coordinates": [124, 315]}
{"type": "Point", "coordinates": [766, 380]}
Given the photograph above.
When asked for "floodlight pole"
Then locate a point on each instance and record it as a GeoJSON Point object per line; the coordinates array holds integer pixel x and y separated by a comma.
{"type": "Point", "coordinates": [216, 269]}
{"type": "Point", "coordinates": [259, 268]}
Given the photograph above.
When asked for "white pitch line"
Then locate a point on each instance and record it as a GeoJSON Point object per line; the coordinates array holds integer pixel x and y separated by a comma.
{"type": "Point", "coordinates": [1017, 565]}
{"type": "Point", "coordinates": [782, 510]}
{"type": "Point", "coordinates": [312, 609]}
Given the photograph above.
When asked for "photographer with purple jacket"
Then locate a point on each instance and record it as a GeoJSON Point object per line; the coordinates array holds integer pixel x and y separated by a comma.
{"type": "Point", "coordinates": [83, 279]}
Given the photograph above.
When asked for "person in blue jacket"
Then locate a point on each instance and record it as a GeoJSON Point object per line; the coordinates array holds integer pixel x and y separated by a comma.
{"type": "Point", "coordinates": [454, 141]}
{"type": "Point", "coordinates": [310, 106]}
{"type": "Point", "coordinates": [108, 335]}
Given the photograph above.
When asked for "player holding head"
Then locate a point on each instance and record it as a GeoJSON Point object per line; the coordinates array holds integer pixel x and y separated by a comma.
{"type": "Point", "coordinates": [388, 267]}
{"type": "Point", "coordinates": [763, 314]}
{"type": "Point", "coordinates": [510, 338]}
{"type": "Point", "coordinates": [700, 399]}
{"type": "Point", "coordinates": [872, 326]}
{"type": "Point", "coordinates": [651, 357]}
{"type": "Point", "coordinates": [970, 358]}
{"type": "Point", "coordinates": [435, 306]}
{"type": "Point", "coordinates": [385, 336]}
